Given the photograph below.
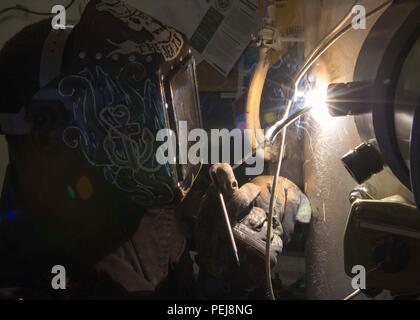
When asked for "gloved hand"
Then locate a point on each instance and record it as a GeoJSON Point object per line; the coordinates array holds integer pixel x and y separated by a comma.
{"type": "Point", "coordinates": [248, 209]}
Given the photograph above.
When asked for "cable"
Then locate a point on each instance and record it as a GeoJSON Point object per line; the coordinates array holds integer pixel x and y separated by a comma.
{"type": "Point", "coordinates": [270, 214]}
{"type": "Point", "coordinates": [280, 125]}
{"type": "Point", "coordinates": [283, 124]}
{"type": "Point", "coordinates": [320, 50]}
{"type": "Point", "coordinates": [353, 295]}
{"type": "Point", "coordinates": [20, 7]}
{"type": "Point", "coordinates": [336, 29]}
{"type": "Point", "coordinates": [314, 56]}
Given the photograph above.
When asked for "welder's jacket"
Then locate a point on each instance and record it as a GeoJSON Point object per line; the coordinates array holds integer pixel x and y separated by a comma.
{"type": "Point", "coordinates": [149, 261]}
{"type": "Point", "coordinates": [137, 254]}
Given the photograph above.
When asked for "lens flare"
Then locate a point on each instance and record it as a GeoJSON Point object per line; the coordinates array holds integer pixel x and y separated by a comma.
{"type": "Point", "coordinates": [84, 188]}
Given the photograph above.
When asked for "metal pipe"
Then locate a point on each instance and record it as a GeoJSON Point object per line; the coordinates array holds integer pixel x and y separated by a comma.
{"type": "Point", "coordinates": [253, 102]}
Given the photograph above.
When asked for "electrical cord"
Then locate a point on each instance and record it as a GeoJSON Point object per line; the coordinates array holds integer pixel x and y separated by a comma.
{"type": "Point", "coordinates": [353, 295]}
{"type": "Point", "coordinates": [22, 8]}
{"type": "Point", "coordinates": [271, 210]}
{"type": "Point", "coordinates": [336, 29]}
{"type": "Point", "coordinates": [323, 46]}
{"type": "Point", "coordinates": [280, 125]}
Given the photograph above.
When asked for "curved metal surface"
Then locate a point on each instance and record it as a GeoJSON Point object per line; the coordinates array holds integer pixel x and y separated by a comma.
{"type": "Point", "coordinates": [407, 95]}
{"type": "Point", "coordinates": [415, 155]}
{"type": "Point", "coordinates": [380, 61]}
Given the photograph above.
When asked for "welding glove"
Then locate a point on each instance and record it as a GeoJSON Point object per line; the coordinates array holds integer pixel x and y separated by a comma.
{"type": "Point", "coordinates": [248, 209]}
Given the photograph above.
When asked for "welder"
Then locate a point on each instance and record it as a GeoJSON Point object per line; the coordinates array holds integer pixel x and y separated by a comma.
{"type": "Point", "coordinates": [80, 110]}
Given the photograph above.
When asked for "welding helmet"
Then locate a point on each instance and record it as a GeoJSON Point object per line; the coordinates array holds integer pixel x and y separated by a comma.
{"type": "Point", "coordinates": [112, 82]}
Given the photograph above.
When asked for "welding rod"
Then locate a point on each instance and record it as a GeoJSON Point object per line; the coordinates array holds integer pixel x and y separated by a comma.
{"type": "Point", "coordinates": [229, 227]}
{"type": "Point", "coordinates": [227, 221]}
